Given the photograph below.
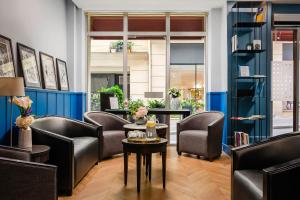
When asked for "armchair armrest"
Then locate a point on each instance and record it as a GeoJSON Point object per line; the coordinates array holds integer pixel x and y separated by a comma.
{"type": "Point", "coordinates": [214, 137]}
{"type": "Point", "coordinates": [27, 180]}
{"type": "Point", "coordinates": [61, 155]}
{"type": "Point", "coordinates": [282, 181]}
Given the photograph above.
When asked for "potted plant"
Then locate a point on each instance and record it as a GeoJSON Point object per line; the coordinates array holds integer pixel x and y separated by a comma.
{"type": "Point", "coordinates": [117, 91]}
{"type": "Point", "coordinates": [154, 103]}
{"type": "Point", "coordinates": [188, 104]}
{"type": "Point", "coordinates": [174, 98]}
{"type": "Point", "coordinates": [113, 47]}
{"type": "Point", "coordinates": [24, 121]}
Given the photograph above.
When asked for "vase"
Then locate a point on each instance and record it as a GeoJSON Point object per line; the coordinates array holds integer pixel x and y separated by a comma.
{"type": "Point", "coordinates": [175, 103]}
{"type": "Point", "coordinates": [25, 138]}
{"type": "Point", "coordinates": [141, 121]}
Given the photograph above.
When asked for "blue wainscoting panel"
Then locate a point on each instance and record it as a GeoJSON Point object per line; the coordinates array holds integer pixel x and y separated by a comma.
{"type": "Point", "coordinates": [45, 103]}
{"type": "Point", "coordinates": [217, 101]}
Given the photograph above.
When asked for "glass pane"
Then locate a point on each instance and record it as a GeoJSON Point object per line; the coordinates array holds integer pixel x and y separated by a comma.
{"type": "Point", "coordinates": [188, 78]}
{"type": "Point", "coordinates": [187, 23]}
{"type": "Point", "coordinates": [147, 67]}
{"type": "Point", "coordinates": [106, 67]}
{"type": "Point", "coordinates": [147, 23]}
{"type": "Point", "coordinates": [106, 23]}
{"type": "Point", "coordinates": [282, 81]}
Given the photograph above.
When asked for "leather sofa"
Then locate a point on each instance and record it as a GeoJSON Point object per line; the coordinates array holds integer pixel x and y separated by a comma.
{"type": "Point", "coordinates": [268, 170]}
{"type": "Point", "coordinates": [201, 134]}
{"type": "Point", "coordinates": [22, 179]}
{"type": "Point", "coordinates": [74, 148]}
{"type": "Point", "coordinates": [111, 132]}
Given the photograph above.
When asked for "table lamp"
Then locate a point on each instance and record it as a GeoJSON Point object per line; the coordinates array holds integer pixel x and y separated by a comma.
{"type": "Point", "coordinates": [11, 87]}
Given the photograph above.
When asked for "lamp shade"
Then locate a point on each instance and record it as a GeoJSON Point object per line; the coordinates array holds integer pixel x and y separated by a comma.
{"type": "Point", "coordinates": [12, 86]}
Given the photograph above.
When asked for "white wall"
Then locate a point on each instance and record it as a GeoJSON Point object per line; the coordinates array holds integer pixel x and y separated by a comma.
{"type": "Point", "coordinates": [217, 50]}
{"type": "Point", "coordinates": [40, 24]}
{"type": "Point", "coordinates": [44, 26]}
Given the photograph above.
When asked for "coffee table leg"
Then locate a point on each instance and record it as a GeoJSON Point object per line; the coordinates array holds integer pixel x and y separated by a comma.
{"type": "Point", "coordinates": [125, 167]}
{"type": "Point", "coordinates": [149, 166]}
{"type": "Point", "coordinates": [164, 155]}
{"type": "Point", "coordinates": [147, 163]}
{"type": "Point", "coordinates": [138, 171]}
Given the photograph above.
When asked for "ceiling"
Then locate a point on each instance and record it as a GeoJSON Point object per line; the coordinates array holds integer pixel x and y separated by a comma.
{"type": "Point", "coordinates": [149, 5]}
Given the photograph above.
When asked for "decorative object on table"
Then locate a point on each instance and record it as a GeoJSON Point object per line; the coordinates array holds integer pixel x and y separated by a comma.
{"type": "Point", "coordinates": [151, 127]}
{"type": "Point", "coordinates": [133, 106]}
{"type": "Point", "coordinates": [244, 71]}
{"type": "Point", "coordinates": [27, 59]}
{"type": "Point", "coordinates": [62, 75]}
{"type": "Point", "coordinates": [116, 91]}
{"type": "Point", "coordinates": [113, 102]}
{"type": "Point", "coordinates": [249, 46]}
{"type": "Point", "coordinates": [141, 137]}
{"type": "Point", "coordinates": [154, 103]}
{"type": "Point", "coordinates": [175, 101]}
{"type": "Point", "coordinates": [11, 87]}
{"type": "Point", "coordinates": [24, 121]}
{"type": "Point", "coordinates": [126, 103]}
{"type": "Point", "coordinates": [7, 68]}
{"type": "Point", "coordinates": [140, 116]}
{"type": "Point", "coordinates": [257, 44]}
{"type": "Point", "coordinates": [48, 71]}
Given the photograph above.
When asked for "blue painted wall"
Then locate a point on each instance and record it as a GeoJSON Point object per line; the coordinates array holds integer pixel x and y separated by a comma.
{"type": "Point", "coordinates": [217, 101]}
{"type": "Point", "coordinates": [45, 103]}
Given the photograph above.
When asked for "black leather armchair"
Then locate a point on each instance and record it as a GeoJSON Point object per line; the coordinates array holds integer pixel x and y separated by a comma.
{"type": "Point", "coordinates": [74, 148]}
{"type": "Point", "coordinates": [22, 179]}
{"type": "Point", "coordinates": [269, 170]}
{"type": "Point", "coordinates": [201, 134]}
{"type": "Point", "coordinates": [111, 132]}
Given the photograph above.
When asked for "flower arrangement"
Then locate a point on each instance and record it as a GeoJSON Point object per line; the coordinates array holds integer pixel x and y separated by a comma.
{"type": "Point", "coordinates": [174, 92]}
{"type": "Point", "coordinates": [24, 105]}
{"type": "Point", "coordinates": [141, 112]}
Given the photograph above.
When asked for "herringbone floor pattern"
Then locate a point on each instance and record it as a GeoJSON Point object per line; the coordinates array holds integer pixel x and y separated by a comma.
{"type": "Point", "coordinates": [188, 178]}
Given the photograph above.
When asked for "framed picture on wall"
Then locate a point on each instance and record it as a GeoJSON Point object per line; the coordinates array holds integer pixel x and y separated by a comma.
{"type": "Point", "coordinates": [7, 68]}
{"type": "Point", "coordinates": [62, 75]}
{"type": "Point", "coordinates": [28, 63]}
{"type": "Point", "coordinates": [48, 71]}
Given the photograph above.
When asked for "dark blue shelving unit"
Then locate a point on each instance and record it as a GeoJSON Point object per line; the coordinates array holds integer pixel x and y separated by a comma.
{"type": "Point", "coordinates": [248, 95]}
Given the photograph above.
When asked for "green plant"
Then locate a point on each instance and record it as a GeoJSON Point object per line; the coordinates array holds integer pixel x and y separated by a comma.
{"type": "Point", "coordinates": [191, 104]}
{"type": "Point", "coordinates": [156, 103]}
{"type": "Point", "coordinates": [174, 92]}
{"type": "Point", "coordinates": [113, 45]}
{"type": "Point", "coordinates": [117, 91]}
{"type": "Point", "coordinates": [134, 105]}
{"type": "Point", "coordinates": [119, 45]}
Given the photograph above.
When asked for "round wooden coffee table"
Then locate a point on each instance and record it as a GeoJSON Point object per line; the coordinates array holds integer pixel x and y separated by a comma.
{"type": "Point", "coordinates": [161, 129]}
{"type": "Point", "coordinates": [144, 149]}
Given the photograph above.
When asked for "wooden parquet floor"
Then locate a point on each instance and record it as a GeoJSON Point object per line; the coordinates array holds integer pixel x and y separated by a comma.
{"type": "Point", "coordinates": [188, 178]}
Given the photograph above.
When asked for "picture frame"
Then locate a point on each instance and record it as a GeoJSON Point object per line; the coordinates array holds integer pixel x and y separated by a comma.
{"type": "Point", "coordinates": [114, 104]}
{"type": "Point", "coordinates": [244, 71]}
{"type": "Point", "coordinates": [7, 66]}
{"type": "Point", "coordinates": [28, 63]}
{"type": "Point", "coordinates": [62, 75]}
{"type": "Point", "coordinates": [48, 71]}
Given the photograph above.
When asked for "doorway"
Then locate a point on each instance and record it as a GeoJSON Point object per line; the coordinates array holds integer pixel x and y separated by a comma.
{"type": "Point", "coordinates": [285, 80]}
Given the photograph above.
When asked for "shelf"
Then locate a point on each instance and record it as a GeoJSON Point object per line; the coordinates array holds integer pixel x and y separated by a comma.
{"type": "Point", "coordinates": [244, 51]}
{"type": "Point", "coordinates": [248, 24]}
{"type": "Point", "coordinates": [251, 77]}
{"type": "Point", "coordinates": [247, 4]}
{"type": "Point", "coordinates": [249, 97]}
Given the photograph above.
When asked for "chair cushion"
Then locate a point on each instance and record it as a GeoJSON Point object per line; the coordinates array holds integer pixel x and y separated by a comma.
{"type": "Point", "coordinates": [85, 155]}
{"type": "Point", "coordinates": [193, 141]}
{"type": "Point", "coordinates": [112, 142]}
{"type": "Point", "coordinates": [248, 184]}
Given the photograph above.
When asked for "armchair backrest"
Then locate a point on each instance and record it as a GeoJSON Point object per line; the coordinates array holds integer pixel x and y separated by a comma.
{"type": "Point", "coordinates": [14, 153]}
{"type": "Point", "coordinates": [61, 126]}
{"type": "Point", "coordinates": [200, 121]}
{"type": "Point", "coordinates": [107, 120]}
{"type": "Point", "coordinates": [276, 150]}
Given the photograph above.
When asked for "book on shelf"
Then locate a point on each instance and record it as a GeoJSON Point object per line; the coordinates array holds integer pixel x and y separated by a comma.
{"type": "Point", "coordinates": [252, 117]}
{"type": "Point", "coordinates": [234, 43]}
{"type": "Point", "coordinates": [240, 138]}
